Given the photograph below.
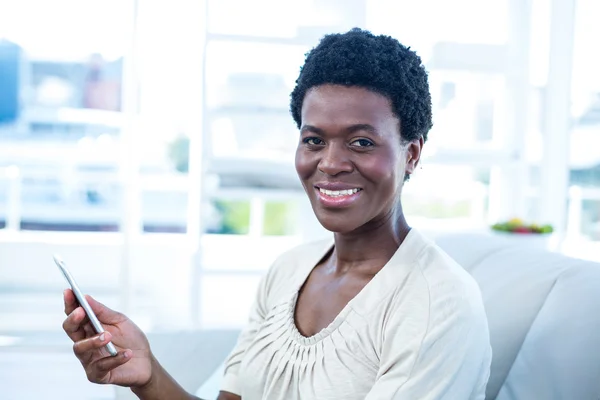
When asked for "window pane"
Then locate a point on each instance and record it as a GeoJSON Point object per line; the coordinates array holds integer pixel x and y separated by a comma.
{"type": "Point", "coordinates": [281, 218]}
{"type": "Point", "coordinates": [229, 217]}
{"type": "Point", "coordinates": [590, 221]}
{"type": "Point", "coordinates": [439, 193]}
{"type": "Point", "coordinates": [66, 37]}
{"type": "Point", "coordinates": [284, 19]}
{"type": "Point", "coordinates": [247, 92]}
{"type": "Point", "coordinates": [60, 119]}
{"type": "Point", "coordinates": [164, 210]}
{"type": "Point", "coordinates": [421, 24]}
{"type": "Point", "coordinates": [78, 203]}
{"type": "Point", "coordinates": [468, 89]}
{"type": "Point", "coordinates": [583, 229]}
{"type": "Point", "coordinates": [468, 108]}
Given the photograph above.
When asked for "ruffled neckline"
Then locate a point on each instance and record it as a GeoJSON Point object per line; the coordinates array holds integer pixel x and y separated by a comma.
{"type": "Point", "coordinates": [378, 285]}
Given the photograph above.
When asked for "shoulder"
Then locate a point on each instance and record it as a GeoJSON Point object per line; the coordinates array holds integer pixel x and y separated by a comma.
{"type": "Point", "coordinates": [455, 303]}
{"type": "Point", "coordinates": [447, 282]}
{"type": "Point", "coordinates": [437, 300]}
{"type": "Point", "coordinates": [435, 285]}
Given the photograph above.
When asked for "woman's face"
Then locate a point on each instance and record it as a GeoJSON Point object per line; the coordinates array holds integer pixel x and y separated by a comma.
{"type": "Point", "coordinates": [350, 158]}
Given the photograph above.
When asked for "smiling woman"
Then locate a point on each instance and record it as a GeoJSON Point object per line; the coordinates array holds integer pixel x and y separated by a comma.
{"type": "Point", "coordinates": [350, 141]}
{"type": "Point", "coordinates": [376, 312]}
{"type": "Point", "coordinates": [380, 312]}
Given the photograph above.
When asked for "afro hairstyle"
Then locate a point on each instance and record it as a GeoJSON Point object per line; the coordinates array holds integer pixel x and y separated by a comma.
{"type": "Point", "coordinates": [378, 63]}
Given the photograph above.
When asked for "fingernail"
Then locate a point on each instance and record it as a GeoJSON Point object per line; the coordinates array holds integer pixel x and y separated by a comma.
{"type": "Point", "coordinates": [126, 354]}
{"type": "Point", "coordinates": [101, 338]}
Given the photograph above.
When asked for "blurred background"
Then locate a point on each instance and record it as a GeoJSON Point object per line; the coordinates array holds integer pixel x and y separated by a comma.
{"type": "Point", "coordinates": [150, 144]}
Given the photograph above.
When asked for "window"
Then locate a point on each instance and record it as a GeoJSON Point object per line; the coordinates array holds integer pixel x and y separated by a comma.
{"type": "Point", "coordinates": [62, 141]}
{"type": "Point", "coordinates": [247, 95]}
{"type": "Point", "coordinates": [480, 119]}
{"type": "Point", "coordinates": [584, 139]}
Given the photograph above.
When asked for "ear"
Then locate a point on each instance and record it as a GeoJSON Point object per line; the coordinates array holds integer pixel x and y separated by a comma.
{"type": "Point", "coordinates": [413, 155]}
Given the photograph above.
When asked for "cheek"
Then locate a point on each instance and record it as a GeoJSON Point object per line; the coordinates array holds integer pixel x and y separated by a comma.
{"type": "Point", "coordinates": [304, 164]}
{"type": "Point", "coordinates": [384, 169]}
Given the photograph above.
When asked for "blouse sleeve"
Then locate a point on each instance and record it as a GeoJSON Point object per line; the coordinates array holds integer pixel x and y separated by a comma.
{"type": "Point", "coordinates": [452, 361]}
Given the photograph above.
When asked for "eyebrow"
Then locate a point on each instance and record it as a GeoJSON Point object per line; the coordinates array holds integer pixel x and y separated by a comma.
{"type": "Point", "coordinates": [350, 129]}
{"type": "Point", "coordinates": [362, 127]}
{"type": "Point", "coordinates": [310, 128]}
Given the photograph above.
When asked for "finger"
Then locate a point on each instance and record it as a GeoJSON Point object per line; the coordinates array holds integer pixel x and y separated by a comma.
{"type": "Point", "coordinates": [98, 371]}
{"type": "Point", "coordinates": [89, 330]}
{"type": "Point", "coordinates": [73, 325]}
{"type": "Point", "coordinates": [105, 314]}
{"type": "Point", "coordinates": [87, 327]}
{"type": "Point", "coordinates": [70, 301]}
{"type": "Point", "coordinates": [87, 348]}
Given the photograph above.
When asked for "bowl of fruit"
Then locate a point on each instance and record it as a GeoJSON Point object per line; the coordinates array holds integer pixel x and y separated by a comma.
{"type": "Point", "coordinates": [517, 225]}
{"type": "Point", "coordinates": [529, 234]}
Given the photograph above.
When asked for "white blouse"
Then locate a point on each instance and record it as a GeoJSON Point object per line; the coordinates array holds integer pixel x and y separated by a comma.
{"type": "Point", "coordinates": [417, 330]}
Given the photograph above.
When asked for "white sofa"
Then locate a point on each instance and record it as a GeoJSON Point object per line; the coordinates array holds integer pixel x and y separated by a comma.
{"type": "Point", "coordinates": [544, 316]}
{"type": "Point", "coordinates": [543, 310]}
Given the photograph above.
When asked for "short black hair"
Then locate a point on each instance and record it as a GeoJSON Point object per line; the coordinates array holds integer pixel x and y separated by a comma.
{"type": "Point", "coordinates": [378, 63]}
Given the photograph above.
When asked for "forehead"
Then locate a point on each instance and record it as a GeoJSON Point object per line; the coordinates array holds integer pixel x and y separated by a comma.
{"type": "Point", "coordinates": [336, 104]}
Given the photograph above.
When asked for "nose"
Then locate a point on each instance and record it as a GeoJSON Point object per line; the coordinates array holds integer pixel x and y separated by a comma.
{"type": "Point", "coordinates": [335, 160]}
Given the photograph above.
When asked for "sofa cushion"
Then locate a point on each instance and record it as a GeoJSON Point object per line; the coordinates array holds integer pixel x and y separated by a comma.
{"type": "Point", "coordinates": [516, 284]}
{"type": "Point", "coordinates": [560, 357]}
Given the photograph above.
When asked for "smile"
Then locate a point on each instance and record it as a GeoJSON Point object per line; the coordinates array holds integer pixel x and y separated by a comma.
{"type": "Point", "coordinates": [337, 198]}
{"type": "Point", "coordinates": [338, 193]}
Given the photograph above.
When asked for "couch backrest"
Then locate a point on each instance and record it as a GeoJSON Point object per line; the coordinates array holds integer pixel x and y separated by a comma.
{"type": "Point", "coordinates": [544, 315]}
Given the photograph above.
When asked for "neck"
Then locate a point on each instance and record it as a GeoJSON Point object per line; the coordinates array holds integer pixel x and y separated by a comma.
{"type": "Point", "coordinates": [370, 248]}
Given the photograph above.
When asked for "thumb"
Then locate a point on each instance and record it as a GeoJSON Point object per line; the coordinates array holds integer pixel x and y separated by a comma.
{"type": "Point", "coordinates": [105, 314]}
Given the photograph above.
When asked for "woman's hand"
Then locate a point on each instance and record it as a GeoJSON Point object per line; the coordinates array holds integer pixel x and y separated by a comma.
{"type": "Point", "coordinates": [132, 367]}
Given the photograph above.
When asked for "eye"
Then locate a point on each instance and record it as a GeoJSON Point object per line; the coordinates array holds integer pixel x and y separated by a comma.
{"type": "Point", "coordinates": [313, 141]}
{"type": "Point", "coordinates": [362, 143]}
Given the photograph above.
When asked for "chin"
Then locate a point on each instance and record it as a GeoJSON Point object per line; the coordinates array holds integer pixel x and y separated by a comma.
{"type": "Point", "coordinates": [338, 223]}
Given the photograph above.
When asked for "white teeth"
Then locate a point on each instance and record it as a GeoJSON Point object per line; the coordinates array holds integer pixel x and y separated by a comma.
{"type": "Point", "coordinates": [335, 193]}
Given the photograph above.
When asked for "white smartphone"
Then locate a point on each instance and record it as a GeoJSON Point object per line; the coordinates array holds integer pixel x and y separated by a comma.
{"type": "Point", "coordinates": [83, 302]}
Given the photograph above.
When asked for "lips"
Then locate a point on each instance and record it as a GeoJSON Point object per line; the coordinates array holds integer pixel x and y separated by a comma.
{"type": "Point", "coordinates": [336, 195]}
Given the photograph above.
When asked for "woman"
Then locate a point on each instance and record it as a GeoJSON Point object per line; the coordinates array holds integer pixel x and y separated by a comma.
{"type": "Point", "coordinates": [379, 312]}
